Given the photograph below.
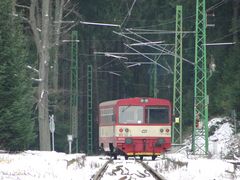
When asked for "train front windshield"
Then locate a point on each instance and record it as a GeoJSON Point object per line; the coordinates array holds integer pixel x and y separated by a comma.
{"type": "Point", "coordinates": [135, 115]}
{"type": "Point", "coordinates": [131, 114]}
{"type": "Point", "coordinates": [156, 115]}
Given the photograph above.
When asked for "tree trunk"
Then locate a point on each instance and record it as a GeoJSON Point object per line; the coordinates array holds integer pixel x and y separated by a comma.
{"type": "Point", "coordinates": [41, 38]}
{"type": "Point", "coordinates": [44, 133]}
{"type": "Point", "coordinates": [235, 20]}
{"type": "Point", "coordinates": [13, 7]}
{"type": "Point", "coordinates": [58, 18]}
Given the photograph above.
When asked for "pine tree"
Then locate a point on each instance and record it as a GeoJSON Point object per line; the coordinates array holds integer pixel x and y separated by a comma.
{"type": "Point", "coordinates": [16, 125]}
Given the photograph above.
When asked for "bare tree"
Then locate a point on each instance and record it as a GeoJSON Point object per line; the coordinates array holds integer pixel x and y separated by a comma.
{"type": "Point", "coordinates": [38, 19]}
{"type": "Point", "coordinates": [38, 16]}
{"type": "Point", "coordinates": [45, 19]}
{"type": "Point", "coordinates": [40, 27]}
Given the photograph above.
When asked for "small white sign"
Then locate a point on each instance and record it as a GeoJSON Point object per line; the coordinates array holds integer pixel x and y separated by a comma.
{"type": "Point", "coordinates": [70, 137]}
{"type": "Point", "coordinates": [51, 123]}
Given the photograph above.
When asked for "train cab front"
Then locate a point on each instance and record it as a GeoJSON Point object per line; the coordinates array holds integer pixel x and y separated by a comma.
{"type": "Point", "coordinates": [136, 126]}
{"type": "Point", "coordinates": [143, 127]}
{"type": "Point", "coordinates": [148, 145]}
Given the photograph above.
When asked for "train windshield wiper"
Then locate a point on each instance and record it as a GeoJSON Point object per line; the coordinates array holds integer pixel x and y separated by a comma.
{"type": "Point", "coordinates": [124, 109]}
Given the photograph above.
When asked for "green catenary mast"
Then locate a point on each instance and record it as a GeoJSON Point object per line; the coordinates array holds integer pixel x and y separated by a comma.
{"type": "Point", "coordinates": [153, 80]}
{"type": "Point", "coordinates": [200, 128]}
{"type": "Point", "coordinates": [74, 88]}
{"type": "Point", "coordinates": [89, 110]}
{"type": "Point", "coordinates": [177, 81]}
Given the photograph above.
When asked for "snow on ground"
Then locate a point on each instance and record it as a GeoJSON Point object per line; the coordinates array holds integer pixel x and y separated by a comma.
{"type": "Point", "coordinates": [179, 167]}
{"type": "Point", "coordinates": [220, 140]}
{"type": "Point", "coordinates": [36, 165]}
{"type": "Point", "coordinates": [48, 165]}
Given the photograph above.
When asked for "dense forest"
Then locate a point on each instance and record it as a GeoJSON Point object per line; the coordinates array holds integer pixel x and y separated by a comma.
{"type": "Point", "coordinates": [36, 55]}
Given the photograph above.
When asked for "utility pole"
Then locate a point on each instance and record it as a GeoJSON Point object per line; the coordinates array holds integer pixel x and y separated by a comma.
{"type": "Point", "coordinates": [89, 110]}
{"type": "Point", "coordinates": [177, 80]}
{"type": "Point", "coordinates": [200, 124]}
{"type": "Point", "coordinates": [74, 88]}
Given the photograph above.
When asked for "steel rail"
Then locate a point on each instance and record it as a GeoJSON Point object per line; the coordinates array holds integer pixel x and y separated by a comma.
{"type": "Point", "coordinates": [101, 171]}
{"type": "Point", "coordinates": [155, 174]}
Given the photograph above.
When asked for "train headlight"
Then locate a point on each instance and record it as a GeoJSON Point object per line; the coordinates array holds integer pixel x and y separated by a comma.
{"type": "Point", "coordinates": [126, 130]}
{"type": "Point", "coordinates": [160, 141]}
{"type": "Point", "coordinates": [144, 100]}
{"type": "Point", "coordinates": [120, 130]}
{"type": "Point", "coordinates": [128, 141]}
{"type": "Point", "coordinates": [161, 130]}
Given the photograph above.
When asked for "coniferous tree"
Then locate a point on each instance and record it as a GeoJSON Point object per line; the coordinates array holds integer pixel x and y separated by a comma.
{"type": "Point", "coordinates": [16, 125]}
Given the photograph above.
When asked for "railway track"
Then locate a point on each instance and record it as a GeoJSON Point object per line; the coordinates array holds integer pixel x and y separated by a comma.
{"type": "Point", "coordinates": [155, 174]}
{"type": "Point", "coordinates": [101, 171]}
{"type": "Point", "coordinates": [127, 169]}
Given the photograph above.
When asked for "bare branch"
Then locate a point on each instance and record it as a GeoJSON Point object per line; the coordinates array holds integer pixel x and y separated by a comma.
{"type": "Point", "coordinates": [21, 17]}
{"type": "Point", "coordinates": [72, 10]}
{"type": "Point", "coordinates": [32, 68]}
{"type": "Point", "coordinates": [77, 15]}
{"type": "Point", "coordinates": [37, 80]}
{"type": "Point", "coordinates": [65, 26]}
{"type": "Point", "coordinates": [22, 6]}
{"type": "Point", "coordinates": [33, 24]}
{"type": "Point", "coordinates": [69, 12]}
{"type": "Point", "coordinates": [67, 30]}
{"type": "Point", "coordinates": [25, 19]}
{"type": "Point", "coordinates": [66, 3]}
{"type": "Point", "coordinates": [14, 11]}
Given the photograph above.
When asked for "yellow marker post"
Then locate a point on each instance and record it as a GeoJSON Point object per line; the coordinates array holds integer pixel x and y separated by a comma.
{"type": "Point", "coordinates": [177, 120]}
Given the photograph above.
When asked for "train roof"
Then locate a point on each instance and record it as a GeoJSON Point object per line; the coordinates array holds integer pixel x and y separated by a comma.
{"type": "Point", "coordinates": [109, 103]}
{"type": "Point", "coordinates": [132, 100]}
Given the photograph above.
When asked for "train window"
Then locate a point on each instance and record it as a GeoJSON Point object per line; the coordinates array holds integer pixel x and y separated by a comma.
{"type": "Point", "coordinates": [107, 115]}
{"type": "Point", "coordinates": [157, 115]}
{"type": "Point", "coordinates": [131, 114]}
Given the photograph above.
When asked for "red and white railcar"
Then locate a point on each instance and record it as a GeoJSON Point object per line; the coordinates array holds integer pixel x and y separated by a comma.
{"type": "Point", "coordinates": [135, 127]}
